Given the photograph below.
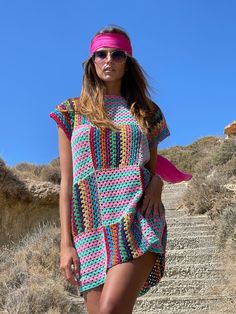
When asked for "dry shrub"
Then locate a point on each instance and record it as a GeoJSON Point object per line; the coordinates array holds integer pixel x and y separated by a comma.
{"type": "Point", "coordinates": [55, 163]}
{"type": "Point", "coordinates": [51, 174]}
{"type": "Point", "coordinates": [226, 240]}
{"type": "Point", "coordinates": [206, 191]}
{"type": "Point", "coordinates": [31, 281]}
{"type": "Point", "coordinates": [229, 168]}
{"type": "Point", "coordinates": [11, 187]}
{"type": "Point", "coordinates": [2, 162]}
{"type": "Point", "coordinates": [25, 167]}
{"type": "Point", "coordinates": [187, 158]}
{"type": "Point", "coordinates": [227, 225]}
{"type": "Point", "coordinates": [226, 152]}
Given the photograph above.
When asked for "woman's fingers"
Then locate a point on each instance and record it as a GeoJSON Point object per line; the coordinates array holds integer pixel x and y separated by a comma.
{"type": "Point", "coordinates": [156, 210]}
{"type": "Point", "coordinates": [69, 272]}
{"type": "Point", "coordinates": [69, 276]}
{"type": "Point", "coordinates": [144, 203]}
{"type": "Point", "coordinates": [76, 265]}
{"type": "Point", "coordinates": [149, 209]}
{"type": "Point", "coordinates": [152, 208]}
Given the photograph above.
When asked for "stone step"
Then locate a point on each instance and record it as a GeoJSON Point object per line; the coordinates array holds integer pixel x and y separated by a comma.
{"type": "Point", "coordinates": [175, 213]}
{"type": "Point", "coordinates": [194, 251]}
{"type": "Point", "coordinates": [185, 304]}
{"type": "Point", "coordinates": [167, 305]}
{"type": "Point", "coordinates": [179, 232]}
{"type": "Point", "coordinates": [194, 271]}
{"type": "Point", "coordinates": [193, 311]}
{"type": "Point", "coordinates": [192, 287]}
{"type": "Point", "coordinates": [187, 221]}
{"type": "Point", "coordinates": [190, 241]}
{"type": "Point", "coordinates": [191, 258]}
{"type": "Point", "coordinates": [189, 228]}
{"type": "Point", "coordinates": [176, 304]}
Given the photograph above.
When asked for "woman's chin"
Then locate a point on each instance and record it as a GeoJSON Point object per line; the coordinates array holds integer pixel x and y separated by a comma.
{"type": "Point", "coordinates": [109, 78]}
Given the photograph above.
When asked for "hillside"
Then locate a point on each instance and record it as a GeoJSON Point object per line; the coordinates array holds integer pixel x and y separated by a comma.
{"type": "Point", "coordinates": [30, 280]}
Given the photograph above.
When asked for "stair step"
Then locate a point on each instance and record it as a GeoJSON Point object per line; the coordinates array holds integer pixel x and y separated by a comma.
{"type": "Point", "coordinates": [191, 258]}
{"type": "Point", "coordinates": [177, 303]}
{"type": "Point", "coordinates": [187, 287]}
{"type": "Point", "coordinates": [191, 251]}
{"type": "Point", "coordinates": [191, 230]}
{"type": "Point", "coordinates": [179, 232]}
{"type": "Point", "coordinates": [190, 241]}
{"type": "Point", "coordinates": [174, 213]}
{"type": "Point", "coordinates": [184, 221]}
{"type": "Point", "coordinates": [185, 304]}
{"type": "Point", "coordinates": [194, 271]}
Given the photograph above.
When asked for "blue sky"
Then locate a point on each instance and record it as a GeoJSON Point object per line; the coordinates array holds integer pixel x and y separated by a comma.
{"type": "Point", "coordinates": [187, 47]}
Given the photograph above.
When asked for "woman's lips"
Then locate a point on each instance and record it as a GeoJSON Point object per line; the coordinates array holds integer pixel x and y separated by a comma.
{"type": "Point", "coordinates": [109, 70]}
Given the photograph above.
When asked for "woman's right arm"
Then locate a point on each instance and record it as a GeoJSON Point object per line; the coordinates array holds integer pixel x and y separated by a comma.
{"type": "Point", "coordinates": [68, 252]}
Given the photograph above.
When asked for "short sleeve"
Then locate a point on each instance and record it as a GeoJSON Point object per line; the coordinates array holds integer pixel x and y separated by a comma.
{"type": "Point", "coordinates": [161, 130]}
{"type": "Point", "coordinates": [64, 115]}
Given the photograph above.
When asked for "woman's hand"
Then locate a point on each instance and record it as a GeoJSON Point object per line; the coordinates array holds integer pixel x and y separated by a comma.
{"type": "Point", "coordinates": [152, 197]}
{"type": "Point", "coordinates": [69, 264]}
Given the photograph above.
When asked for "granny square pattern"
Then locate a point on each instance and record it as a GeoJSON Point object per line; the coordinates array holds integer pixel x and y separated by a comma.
{"type": "Point", "coordinates": [109, 179]}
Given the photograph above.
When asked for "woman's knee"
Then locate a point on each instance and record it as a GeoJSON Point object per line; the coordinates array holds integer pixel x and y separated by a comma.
{"type": "Point", "coordinates": [110, 305]}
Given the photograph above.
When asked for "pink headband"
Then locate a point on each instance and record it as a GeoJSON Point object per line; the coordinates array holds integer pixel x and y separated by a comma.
{"type": "Point", "coordinates": [111, 40]}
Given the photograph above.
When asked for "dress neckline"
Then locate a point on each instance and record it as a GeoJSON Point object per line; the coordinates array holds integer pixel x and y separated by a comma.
{"type": "Point", "coordinates": [117, 100]}
{"type": "Point", "coordinates": [111, 96]}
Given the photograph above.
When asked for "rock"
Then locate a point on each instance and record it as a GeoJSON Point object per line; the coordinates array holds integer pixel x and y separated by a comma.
{"type": "Point", "coordinates": [24, 203]}
{"type": "Point", "coordinates": [230, 130]}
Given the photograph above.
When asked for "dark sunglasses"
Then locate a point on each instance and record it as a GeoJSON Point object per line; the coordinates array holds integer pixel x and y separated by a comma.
{"type": "Point", "coordinates": [118, 56]}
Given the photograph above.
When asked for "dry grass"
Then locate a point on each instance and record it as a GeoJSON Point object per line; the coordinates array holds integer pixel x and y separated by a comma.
{"type": "Point", "coordinates": [226, 239]}
{"type": "Point", "coordinates": [208, 190]}
{"type": "Point", "coordinates": [50, 172]}
{"type": "Point", "coordinates": [227, 226]}
{"type": "Point", "coordinates": [186, 158]}
{"type": "Point", "coordinates": [30, 278]}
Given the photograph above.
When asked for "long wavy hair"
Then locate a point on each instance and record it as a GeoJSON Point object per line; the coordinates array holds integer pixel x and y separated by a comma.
{"type": "Point", "coordinates": [134, 88]}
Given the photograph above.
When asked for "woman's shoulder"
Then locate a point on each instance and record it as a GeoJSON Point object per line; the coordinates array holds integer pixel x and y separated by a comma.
{"type": "Point", "coordinates": [154, 106]}
{"type": "Point", "coordinates": [69, 105]}
{"type": "Point", "coordinates": [156, 112]}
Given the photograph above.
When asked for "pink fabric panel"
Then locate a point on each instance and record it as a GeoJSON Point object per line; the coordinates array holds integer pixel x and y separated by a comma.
{"type": "Point", "coordinates": [169, 172]}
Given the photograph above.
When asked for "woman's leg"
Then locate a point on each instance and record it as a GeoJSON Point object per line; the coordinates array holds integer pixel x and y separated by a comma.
{"type": "Point", "coordinates": [92, 299]}
{"type": "Point", "coordinates": [123, 283]}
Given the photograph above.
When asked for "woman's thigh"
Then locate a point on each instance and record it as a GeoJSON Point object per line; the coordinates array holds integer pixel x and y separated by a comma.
{"type": "Point", "coordinates": [123, 283]}
{"type": "Point", "coordinates": [92, 299]}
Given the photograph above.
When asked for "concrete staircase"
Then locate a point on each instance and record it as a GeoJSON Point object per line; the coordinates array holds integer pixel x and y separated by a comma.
{"type": "Point", "coordinates": [193, 265]}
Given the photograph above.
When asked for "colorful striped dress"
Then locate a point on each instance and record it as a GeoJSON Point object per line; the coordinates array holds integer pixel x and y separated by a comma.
{"type": "Point", "coordinates": [109, 179]}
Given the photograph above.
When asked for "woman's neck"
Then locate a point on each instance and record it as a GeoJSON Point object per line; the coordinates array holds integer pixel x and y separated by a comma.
{"type": "Point", "coordinates": [113, 88]}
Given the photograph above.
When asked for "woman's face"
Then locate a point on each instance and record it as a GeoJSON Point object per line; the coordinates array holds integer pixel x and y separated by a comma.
{"type": "Point", "coordinates": [107, 69]}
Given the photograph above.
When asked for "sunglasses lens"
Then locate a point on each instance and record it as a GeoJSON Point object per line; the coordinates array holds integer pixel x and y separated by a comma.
{"type": "Point", "coordinates": [100, 55]}
{"type": "Point", "coordinates": [119, 56]}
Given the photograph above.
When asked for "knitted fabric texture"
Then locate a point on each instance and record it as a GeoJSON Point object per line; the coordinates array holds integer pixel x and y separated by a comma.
{"type": "Point", "coordinates": [109, 179]}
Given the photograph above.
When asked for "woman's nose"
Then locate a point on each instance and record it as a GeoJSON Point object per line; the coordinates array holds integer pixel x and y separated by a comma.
{"type": "Point", "coordinates": [109, 57]}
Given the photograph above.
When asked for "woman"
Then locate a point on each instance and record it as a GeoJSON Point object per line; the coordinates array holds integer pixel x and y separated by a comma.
{"type": "Point", "coordinates": [113, 227]}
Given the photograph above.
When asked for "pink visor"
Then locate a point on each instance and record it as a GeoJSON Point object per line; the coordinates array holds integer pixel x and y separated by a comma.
{"type": "Point", "coordinates": [111, 40]}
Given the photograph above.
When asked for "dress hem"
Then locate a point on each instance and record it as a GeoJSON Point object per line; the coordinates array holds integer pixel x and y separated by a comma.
{"type": "Point", "coordinates": [144, 289]}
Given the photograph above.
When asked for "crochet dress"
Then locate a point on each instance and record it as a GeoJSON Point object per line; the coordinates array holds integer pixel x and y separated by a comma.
{"type": "Point", "coordinates": [109, 179]}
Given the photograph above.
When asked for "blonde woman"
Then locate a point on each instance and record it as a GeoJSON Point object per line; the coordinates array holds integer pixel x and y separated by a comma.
{"type": "Point", "coordinates": [113, 227]}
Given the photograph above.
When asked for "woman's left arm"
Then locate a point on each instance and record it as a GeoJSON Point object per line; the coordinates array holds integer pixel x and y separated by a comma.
{"type": "Point", "coordinates": [152, 194]}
